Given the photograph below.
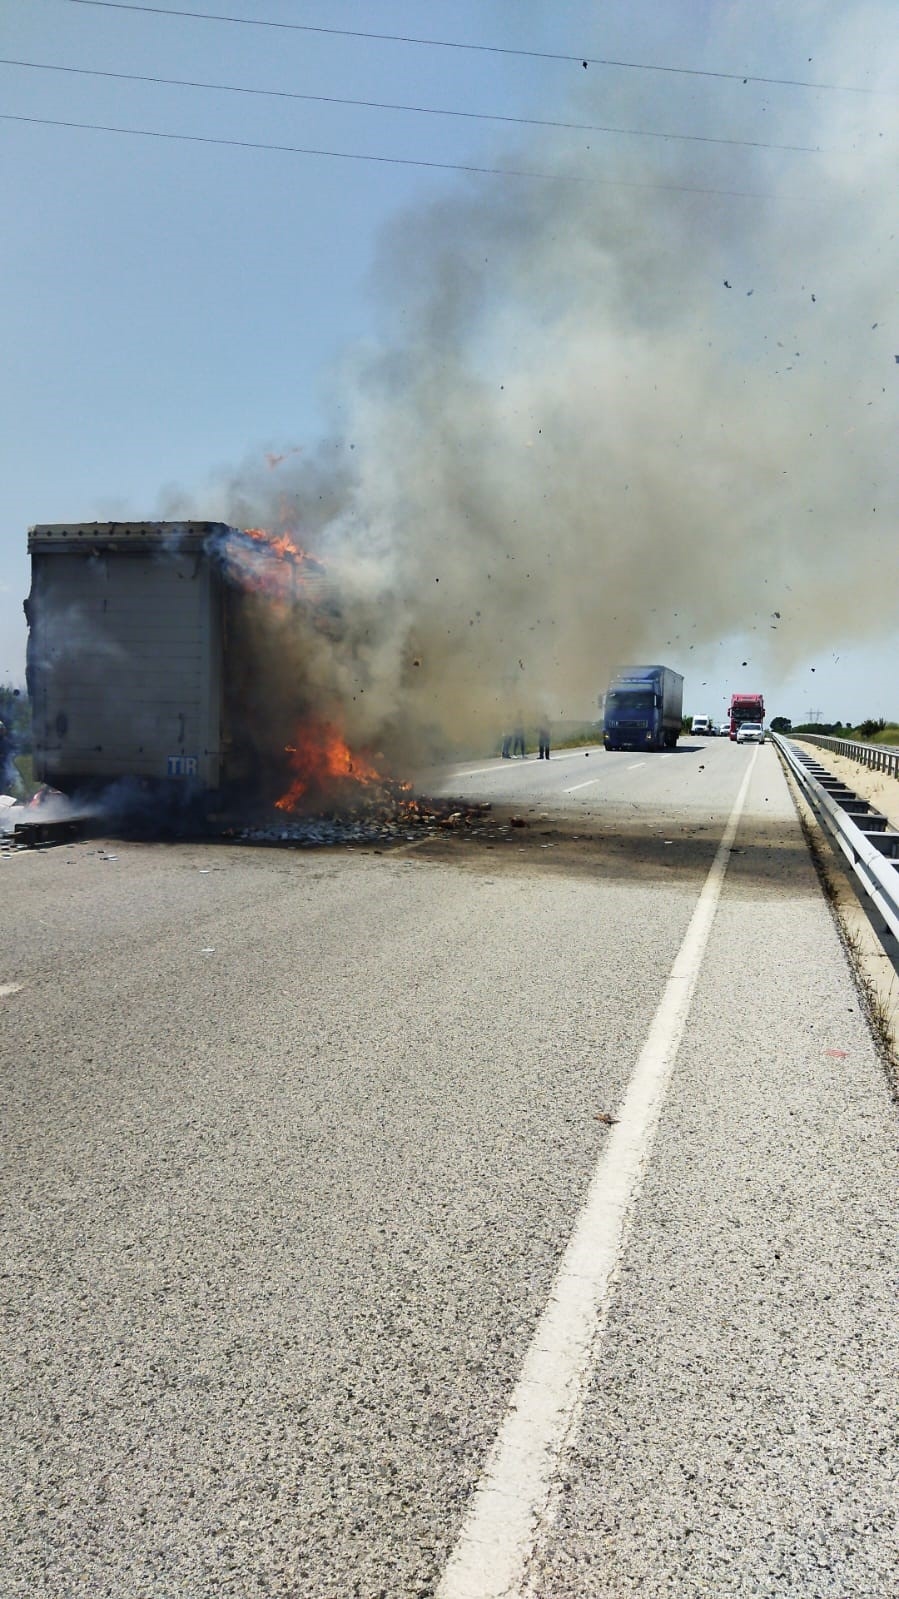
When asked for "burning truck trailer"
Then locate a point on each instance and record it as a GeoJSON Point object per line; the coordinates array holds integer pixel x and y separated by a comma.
{"type": "Point", "coordinates": [160, 694]}
{"type": "Point", "coordinates": [134, 664]}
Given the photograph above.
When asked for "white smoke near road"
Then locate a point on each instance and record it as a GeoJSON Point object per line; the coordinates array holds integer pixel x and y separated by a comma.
{"type": "Point", "coordinates": [611, 420]}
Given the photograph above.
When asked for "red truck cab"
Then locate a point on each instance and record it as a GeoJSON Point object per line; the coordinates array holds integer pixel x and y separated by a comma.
{"type": "Point", "coordinates": [745, 708]}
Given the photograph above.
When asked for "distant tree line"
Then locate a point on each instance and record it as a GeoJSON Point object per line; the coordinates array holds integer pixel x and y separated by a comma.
{"type": "Point", "coordinates": [869, 728]}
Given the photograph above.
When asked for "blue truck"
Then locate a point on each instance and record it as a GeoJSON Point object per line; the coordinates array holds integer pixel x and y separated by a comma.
{"type": "Point", "coordinates": [643, 708]}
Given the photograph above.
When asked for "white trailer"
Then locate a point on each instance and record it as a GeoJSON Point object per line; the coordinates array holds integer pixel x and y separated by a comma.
{"type": "Point", "coordinates": [125, 653]}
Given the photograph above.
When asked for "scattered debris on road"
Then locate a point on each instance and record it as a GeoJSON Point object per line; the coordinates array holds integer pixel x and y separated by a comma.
{"type": "Point", "coordinates": [33, 833]}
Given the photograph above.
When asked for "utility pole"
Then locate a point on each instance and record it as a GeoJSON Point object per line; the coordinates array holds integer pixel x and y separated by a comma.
{"type": "Point", "coordinates": [813, 716]}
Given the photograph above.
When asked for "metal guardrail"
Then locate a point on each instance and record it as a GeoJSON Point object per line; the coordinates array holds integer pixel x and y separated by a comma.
{"type": "Point", "coordinates": [868, 841]}
{"type": "Point", "coordinates": [882, 757]}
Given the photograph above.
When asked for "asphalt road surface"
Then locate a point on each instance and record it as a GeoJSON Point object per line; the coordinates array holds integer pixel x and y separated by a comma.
{"type": "Point", "coordinates": [509, 1212]}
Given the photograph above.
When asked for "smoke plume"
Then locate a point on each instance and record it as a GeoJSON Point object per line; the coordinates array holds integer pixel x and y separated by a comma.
{"type": "Point", "coordinates": [638, 403]}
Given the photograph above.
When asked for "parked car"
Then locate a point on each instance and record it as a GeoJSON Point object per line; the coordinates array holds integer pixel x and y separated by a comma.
{"type": "Point", "coordinates": [750, 733]}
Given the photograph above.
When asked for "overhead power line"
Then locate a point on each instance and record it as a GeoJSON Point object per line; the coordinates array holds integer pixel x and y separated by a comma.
{"type": "Point", "coordinates": [387, 160]}
{"type": "Point", "coordinates": [423, 110]}
{"type": "Point", "coordinates": [488, 49]}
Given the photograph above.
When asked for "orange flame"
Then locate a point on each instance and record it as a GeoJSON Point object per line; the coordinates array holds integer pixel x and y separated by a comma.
{"type": "Point", "coordinates": [281, 544]}
{"type": "Point", "coordinates": [321, 760]}
{"type": "Point", "coordinates": [273, 564]}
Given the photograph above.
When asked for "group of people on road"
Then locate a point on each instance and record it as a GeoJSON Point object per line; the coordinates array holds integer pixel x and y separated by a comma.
{"type": "Point", "coordinates": [514, 743]}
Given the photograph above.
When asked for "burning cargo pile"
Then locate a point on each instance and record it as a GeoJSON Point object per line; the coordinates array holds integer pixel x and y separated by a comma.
{"type": "Point", "coordinates": [206, 668]}
{"type": "Point", "coordinates": [386, 818]}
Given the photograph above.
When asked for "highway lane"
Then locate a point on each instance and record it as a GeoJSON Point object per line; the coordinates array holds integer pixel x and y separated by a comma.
{"type": "Point", "coordinates": [295, 1142]}
{"type": "Point", "coordinates": [695, 778]}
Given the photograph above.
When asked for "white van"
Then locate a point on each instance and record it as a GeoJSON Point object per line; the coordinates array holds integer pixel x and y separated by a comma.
{"type": "Point", "coordinates": [701, 724]}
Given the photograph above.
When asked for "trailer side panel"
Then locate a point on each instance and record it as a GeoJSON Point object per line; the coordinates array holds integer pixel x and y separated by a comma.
{"type": "Point", "coordinates": [125, 660]}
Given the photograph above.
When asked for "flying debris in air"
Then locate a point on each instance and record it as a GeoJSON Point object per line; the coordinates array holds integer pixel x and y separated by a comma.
{"type": "Point", "coordinates": [726, 284]}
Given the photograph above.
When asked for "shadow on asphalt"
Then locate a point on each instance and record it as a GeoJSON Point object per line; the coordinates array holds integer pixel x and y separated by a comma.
{"type": "Point", "coordinates": [679, 749]}
{"type": "Point", "coordinates": [768, 857]}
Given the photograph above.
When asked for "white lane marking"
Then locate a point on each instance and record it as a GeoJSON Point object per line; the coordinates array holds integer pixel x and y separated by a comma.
{"type": "Point", "coordinates": [582, 785]}
{"type": "Point", "coordinates": [635, 765]}
{"type": "Point", "coordinates": [506, 1510]}
{"type": "Point", "coordinates": [9, 988]}
{"type": "Point", "coordinates": [479, 771]}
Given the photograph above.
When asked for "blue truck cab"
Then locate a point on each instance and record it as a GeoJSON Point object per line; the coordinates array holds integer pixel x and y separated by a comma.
{"type": "Point", "coordinates": [643, 708]}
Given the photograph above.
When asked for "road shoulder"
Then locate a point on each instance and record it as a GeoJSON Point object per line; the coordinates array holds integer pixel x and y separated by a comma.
{"type": "Point", "coordinates": [875, 974]}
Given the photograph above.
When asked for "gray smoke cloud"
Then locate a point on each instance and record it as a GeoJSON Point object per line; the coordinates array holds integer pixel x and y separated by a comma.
{"type": "Point", "coordinates": [606, 421]}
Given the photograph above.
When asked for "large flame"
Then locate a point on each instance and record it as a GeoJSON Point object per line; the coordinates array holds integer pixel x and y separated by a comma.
{"type": "Point", "coordinates": [273, 564]}
{"type": "Point", "coordinates": [323, 761]}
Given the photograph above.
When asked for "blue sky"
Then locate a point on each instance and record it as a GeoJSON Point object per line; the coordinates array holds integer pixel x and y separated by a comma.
{"type": "Point", "coordinates": [176, 310]}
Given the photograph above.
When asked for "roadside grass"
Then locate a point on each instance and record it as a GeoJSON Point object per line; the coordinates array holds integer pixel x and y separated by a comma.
{"type": "Point", "coordinates": [590, 733]}
{"type": "Point", "coordinates": [882, 1014]}
{"type": "Point", "coordinates": [881, 1006]}
{"type": "Point", "coordinates": [26, 785]}
{"type": "Point", "coordinates": [889, 734]}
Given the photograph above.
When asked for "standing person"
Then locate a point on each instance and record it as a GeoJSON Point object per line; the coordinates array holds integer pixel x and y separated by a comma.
{"type": "Point", "coordinates": [518, 744]}
{"type": "Point", "coordinates": [8, 772]}
{"type": "Point", "coordinates": [543, 740]}
{"type": "Point", "coordinates": [507, 747]}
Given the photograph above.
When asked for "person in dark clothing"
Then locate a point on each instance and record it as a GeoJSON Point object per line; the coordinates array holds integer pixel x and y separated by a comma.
{"type": "Point", "coordinates": [7, 769]}
{"type": "Point", "coordinates": [543, 741]}
{"type": "Point", "coordinates": [506, 751]}
{"type": "Point", "coordinates": [518, 744]}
